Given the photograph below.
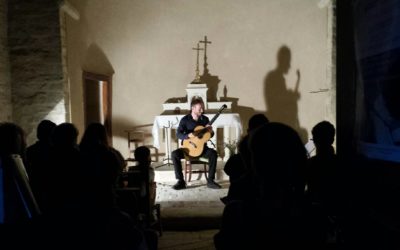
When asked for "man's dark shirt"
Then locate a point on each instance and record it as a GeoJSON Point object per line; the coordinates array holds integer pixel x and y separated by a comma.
{"type": "Point", "coordinates": [187, 125]}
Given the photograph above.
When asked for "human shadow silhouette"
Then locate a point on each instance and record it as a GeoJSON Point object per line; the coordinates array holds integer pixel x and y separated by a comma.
{"type": "Point", "coordinates": [245, 112]}
{"type": "Point", "coordinates": [281, 101]}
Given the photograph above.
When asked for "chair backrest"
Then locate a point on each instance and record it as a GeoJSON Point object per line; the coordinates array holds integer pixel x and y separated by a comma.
{"type": "Point", "coordinates": [140, 136]}
{"type": "Point", "coordinates": [139, 180]}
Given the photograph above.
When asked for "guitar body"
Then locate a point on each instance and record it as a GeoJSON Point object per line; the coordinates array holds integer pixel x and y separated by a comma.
{"type": "Point", "coordinates": [194, 146]}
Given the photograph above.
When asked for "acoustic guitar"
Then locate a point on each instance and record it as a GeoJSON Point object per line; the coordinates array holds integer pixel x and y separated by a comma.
{"type": "Point", "coordinates": [194, 146]}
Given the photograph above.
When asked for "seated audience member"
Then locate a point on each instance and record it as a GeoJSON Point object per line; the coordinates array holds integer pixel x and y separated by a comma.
{"type": "Point", "coordinates": [274, 216]}
{"type": "Point", "coordinates": [237, 165]}
{"type": "Point", "coordinates": [101, 164]}
{"type": "Point", "coordinates": [38, 167]}
{"type": "Point", "coordinates": [146, 180]}
{"type": "Point", "coordinates": [84, 213]}
{"type": "Point", "coordinates": [12, 180]}
{"type": "Point", "coordinates": [18, 207]}
{"type": "Point", "coordinates": [66, 181]}
{"type": "Point", "coordinates": [325, 183]}
{"type": "Point", "coordinates": [322, 168]}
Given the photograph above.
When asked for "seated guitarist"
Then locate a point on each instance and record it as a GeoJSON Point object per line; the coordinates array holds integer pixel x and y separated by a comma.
{"type": "Point", "coordinates": [185, 131]}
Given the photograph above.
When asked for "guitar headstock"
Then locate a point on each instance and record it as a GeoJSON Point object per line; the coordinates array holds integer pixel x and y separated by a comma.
{"type": "Point", "coordinates": [222, 108]}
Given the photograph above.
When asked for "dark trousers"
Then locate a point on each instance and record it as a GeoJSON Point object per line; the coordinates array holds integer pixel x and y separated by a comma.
{"type": "Point", "coordinates": [208, 153]}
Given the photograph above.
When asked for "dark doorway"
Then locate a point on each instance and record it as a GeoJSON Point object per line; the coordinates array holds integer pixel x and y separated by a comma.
{"type": "Point", "coordinates": [97, 93]}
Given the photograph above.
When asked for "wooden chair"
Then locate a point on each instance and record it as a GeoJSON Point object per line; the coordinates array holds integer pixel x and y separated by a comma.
{"type": "Point", "coordinates": [140, 136]}
{"type": "Point", "coordinates": [188, 170]}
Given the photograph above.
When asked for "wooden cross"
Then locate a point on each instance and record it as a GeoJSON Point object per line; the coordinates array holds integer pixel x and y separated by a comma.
{"type": "Point", "coordinates": [197, 78]}
{"type": "Point", "coordinates": [205, 54]}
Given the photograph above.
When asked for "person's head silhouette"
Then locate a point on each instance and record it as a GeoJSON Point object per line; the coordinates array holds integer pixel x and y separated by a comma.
{"type": "Point", "coordinates": [142, 155]}
{"type": "Point", "coordinates": [283, 59]}
{"type": "Point", "coordinates": [12, 139]}
{"type": "Point", "coordinates": [323, 134]}
{"type": "Point", "coordinates": [256, 121]}
{"type": "Point", "coordinates": [65, 135]}
{"type": "Point", "coordinates": [44, 130]}
{"type": "Point", "coordinates": [278, 160]}
{"type": "Point", "coordinates": [95, 134]}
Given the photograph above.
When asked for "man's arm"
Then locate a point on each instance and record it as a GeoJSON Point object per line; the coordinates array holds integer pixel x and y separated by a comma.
{"type": "Point", "coordinates": [181, 131]}
{"type": "Point", "coordinates": [209, 127]}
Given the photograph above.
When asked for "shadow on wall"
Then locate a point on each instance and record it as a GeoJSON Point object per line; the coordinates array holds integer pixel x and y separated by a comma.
{"type": "Point", "coordinates": [140, 135]}
{"type": "Point", "coordinates": [120, 124]}
{"type": "Point", "coordinates": [244, 111]}
{"type": "Point", "coordinates": [282, 102]}
{"type": "Point", "coordinates": [97, 62]}
{"type": "Point", "coordinates": [212, 84]}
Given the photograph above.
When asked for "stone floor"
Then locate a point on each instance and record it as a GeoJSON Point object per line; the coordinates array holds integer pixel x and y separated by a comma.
{"type": "Point", "coordinates": [194, 208]}
{"type": "Point", "coordinates": [190, 217]}
{"type": "Point", "coordinates": [181, 240]}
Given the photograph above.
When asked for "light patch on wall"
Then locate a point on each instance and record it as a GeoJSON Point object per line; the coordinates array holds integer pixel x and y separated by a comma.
{"type": "Point", "coordinates": [57, 114]}
{"type": "Point", "coordinates": [323, 3]}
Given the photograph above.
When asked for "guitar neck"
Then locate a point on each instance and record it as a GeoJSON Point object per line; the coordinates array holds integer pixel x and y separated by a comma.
{"type": "Point", "coordinates": [214, 118]}
{"type": "Point", "coordinates": [217, 114]}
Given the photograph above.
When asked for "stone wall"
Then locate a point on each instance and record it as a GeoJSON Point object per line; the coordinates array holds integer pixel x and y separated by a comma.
{"type": "Point", "coordinates": [5, 87]}
{"type": "Point", "coordinates": [36, 64]}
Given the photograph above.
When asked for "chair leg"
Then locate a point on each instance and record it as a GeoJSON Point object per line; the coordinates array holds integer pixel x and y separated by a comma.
{"type": "Point", "coordinates": [158, 209]}
{"type": "Point", "coordinates": [205, 171]}
{"type": "Point", "coordinates": [190, 171]}
{"type": "Point", "coordinates": [185, 171]}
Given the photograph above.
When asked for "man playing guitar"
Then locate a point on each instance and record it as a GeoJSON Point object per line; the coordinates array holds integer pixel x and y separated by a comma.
{"type": "Point", "coordinates": [185, 131]}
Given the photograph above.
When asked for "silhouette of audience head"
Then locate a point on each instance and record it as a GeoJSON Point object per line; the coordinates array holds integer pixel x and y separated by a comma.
{"type": "Point", "coordinates": [278, 160]}
{"type": "Point", "coordinates": [44, 130]}
{"type": "Point", "coordinates": [283, 58]}
{"type": "Point", "coordinates": [142, 155]}
{"type": "Point", "coordinates": [65, 135]}
{"type": "Point", "coordinates": [95, 134]}
{"type": "Point", "coordinates": [323, 134]}
{"type": "Point", "coordinates": [12, 139]}
{"type": "Point", "coordinates": [256, 121]}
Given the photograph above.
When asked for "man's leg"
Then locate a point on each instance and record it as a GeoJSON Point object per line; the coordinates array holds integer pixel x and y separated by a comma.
{"type": "Point", "coordinates": [211, 155]}
{"type": "Point", "coordinates": [176, 156]}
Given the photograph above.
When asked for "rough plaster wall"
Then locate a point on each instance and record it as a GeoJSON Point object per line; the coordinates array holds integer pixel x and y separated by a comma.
{"type": "Point", "coordinates": [331, 64]}
{"type": "Point", "coordinates": [147, 47]}
{"type": "Point", "coordinates": [35, 62]}
{"type": "Point", "coordinates": [5, 87]}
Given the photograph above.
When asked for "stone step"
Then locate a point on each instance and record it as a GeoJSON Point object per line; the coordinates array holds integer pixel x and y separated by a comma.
{"type": "Point", "coordinates": [166, 173]}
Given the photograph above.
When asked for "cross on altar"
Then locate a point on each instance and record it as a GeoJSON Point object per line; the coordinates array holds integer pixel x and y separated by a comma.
{"type": "Point", "coordinates": [197, 78]}
{"type": "Point", "coordinates": [205, 54]}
